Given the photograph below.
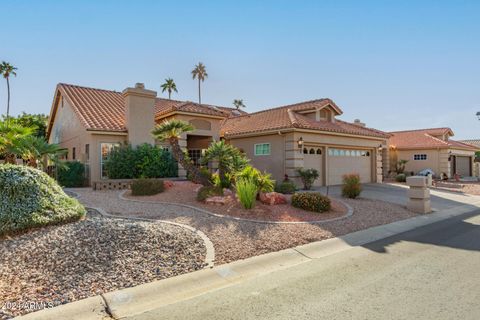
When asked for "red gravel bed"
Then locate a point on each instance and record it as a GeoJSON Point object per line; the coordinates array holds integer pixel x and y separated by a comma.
{"type": "Point", "coordinates": [184, 192]}
{"type": "Point", "coordinates": [468, 187]}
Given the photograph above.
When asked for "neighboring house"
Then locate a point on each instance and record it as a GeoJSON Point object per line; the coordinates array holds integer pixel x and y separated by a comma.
{"type": "Point", "coordinates": [431, 149]}
{"type": "Point", "coordinates": [90, 122]}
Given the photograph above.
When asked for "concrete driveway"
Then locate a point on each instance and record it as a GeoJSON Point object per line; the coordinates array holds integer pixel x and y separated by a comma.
{"type": "Point", "coordinates": [395, 193]}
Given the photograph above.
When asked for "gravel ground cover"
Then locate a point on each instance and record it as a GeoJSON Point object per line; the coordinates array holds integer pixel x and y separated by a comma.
{"type": "Point", "coordinates": [468, 187]}
{"type": "Point", "coordinates": [234, 240]}
{"type": "Point", "coordinates": [60, 264]}
{"type": "Point", "coordinates": [185, 192]}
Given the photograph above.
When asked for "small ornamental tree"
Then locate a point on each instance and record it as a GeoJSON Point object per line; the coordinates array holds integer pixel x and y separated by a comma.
{"type": "Point", "coordinates": [308, 176]}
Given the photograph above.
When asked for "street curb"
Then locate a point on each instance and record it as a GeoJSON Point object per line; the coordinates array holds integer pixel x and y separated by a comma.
{"type": "Point", "coordinates": [346, 215]}
{"type": "Point", "coordinates": [133, 301]}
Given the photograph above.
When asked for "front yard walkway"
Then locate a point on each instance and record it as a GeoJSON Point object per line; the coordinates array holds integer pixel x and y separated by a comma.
{"type": "Point", "coordinates": [234, 240]}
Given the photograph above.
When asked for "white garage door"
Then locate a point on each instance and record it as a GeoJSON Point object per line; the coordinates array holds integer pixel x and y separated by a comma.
{"type": "Point", "coordinates": [463, 166]}
{"type": "Point", "coordinates": [312, 157]}
{"type": "Point", "coordinates": [346, 161]}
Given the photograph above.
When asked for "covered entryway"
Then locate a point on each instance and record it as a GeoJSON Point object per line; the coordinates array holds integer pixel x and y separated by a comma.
{"type": "Point", "coordinates": [312, 157]}
{"type": "Point", "coordinates": [463, 166]}
{"type": "Point", "coordinates": [346, 161]}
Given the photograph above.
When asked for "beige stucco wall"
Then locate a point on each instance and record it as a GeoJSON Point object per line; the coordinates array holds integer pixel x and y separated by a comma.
{"type": "Point", "coordinates": [273, 163]}
{"type": "Point", "coordinates": [68, 132]}
{"type": "Point", "coordinates": [286, 157]}
{"type": "Point", "coordinates": [437, 159]}
{"type": "Point", "coordinates": [139, 114]}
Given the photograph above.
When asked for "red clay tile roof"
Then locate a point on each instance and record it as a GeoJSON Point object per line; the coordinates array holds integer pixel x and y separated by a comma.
{"type": "Point", "coordinates": [424, 139]}
{"type": "Point", "coordinates": [473, 142]}
{"type": "Point", "coordinates": [287, 117]}
{"type": "Point", "coordinates": [104, 110]}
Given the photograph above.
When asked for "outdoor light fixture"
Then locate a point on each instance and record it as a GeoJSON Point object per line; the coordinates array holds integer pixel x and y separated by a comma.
{"type": "Point", "coordinates": [478, 115]}
{"type": "Point", "coordinates": [300, 142]}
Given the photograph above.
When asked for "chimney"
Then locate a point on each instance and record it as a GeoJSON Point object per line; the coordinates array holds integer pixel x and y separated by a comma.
{"type": "Point", "coordinates": [139, 114]}
{"type": "Point", "coordinates": [359, 123]}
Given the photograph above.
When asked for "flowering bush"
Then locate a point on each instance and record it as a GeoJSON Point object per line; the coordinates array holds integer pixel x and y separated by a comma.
{"type": "Point", "coordinates": [351, 187]}
{"type": "Point", "coordinates": [311, 201]}
{"type": "Point", "coordinates": [30, 198]}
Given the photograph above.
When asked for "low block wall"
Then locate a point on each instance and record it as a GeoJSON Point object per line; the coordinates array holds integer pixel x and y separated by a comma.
{"type": "Point", "coordinates": [120, 184]}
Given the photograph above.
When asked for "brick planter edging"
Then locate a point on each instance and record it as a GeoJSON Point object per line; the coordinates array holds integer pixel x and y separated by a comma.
{"type": "Point", "coordinates": [347, 215]}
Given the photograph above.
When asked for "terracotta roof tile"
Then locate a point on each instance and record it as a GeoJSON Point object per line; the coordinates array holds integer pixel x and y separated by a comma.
{"type": "Point", "coordinates": [288, 117]}
{"type": "Point", "coordinates": [425, 138]}
{"type": "Point", "coordinates": [105, 110]}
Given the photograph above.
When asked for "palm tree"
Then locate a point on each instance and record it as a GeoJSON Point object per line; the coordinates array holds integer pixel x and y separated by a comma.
{"type": "Point", "coordinates": [169, 86]}
{"type": "Point", "coordinates": [6, 69]}
{"type": "Point", "coordinates": [171, 131]}
{"type": "Point", "coordinates": [33, 149]}
{"type": "Point", "coordinates": [238, 103]}
{"type": "Point", "coordinates": [199, 73]}
{"type": "Point", "coordinates": [227, 157]}
{"type": "Point", "coordinates": [10, 139]}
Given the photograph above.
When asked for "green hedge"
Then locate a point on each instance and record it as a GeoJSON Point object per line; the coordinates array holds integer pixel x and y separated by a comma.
{"type": "Point", "coordinates": [30, 198]}
{"type": "Point", "coordinates": [311, 201]}
{"type": "Point", "coordinates": [147, 187]}
{"type": "Point", "coordinates": [144, 161]}
{"type": "Point", "coordinates": [72, 175]}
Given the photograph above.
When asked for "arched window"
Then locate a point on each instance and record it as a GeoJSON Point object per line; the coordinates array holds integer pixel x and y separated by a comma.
{"type": "Point", "coordinates": [319, 151]}
{"type": "Point", "coordinates": [312, 151]}
{"type": "Point", "coordinates": [305, 150]}
{"type": "Point", "coordinates": [368, 154]}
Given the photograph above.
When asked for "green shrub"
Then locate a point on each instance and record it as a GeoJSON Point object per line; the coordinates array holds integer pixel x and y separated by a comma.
{"type": "Point", "coordinates": [72, 174]}
{"type": "Point", "coordinates": [351, 187]}
{"type": "Point", "coordinates": [147, 187]}
{"type": "Point", "coordinates": [286, 187]}
{"type": "Point", "coordinates": [263, 181]}
{"type": "Point", "coordinates": [402, 177]}
{"type": "Point", "coordinates": [311, 201]}
{"type": "Point", "coordinates": [208, 191]}
{"type": "Point", "coordinates": [308, 176]}
{"type": "Point", "coordinates": [144, 161]}
{"type": "Point", "coordinates": [247, 192]}
{"type": "Point", "coordinates": [30, 198]}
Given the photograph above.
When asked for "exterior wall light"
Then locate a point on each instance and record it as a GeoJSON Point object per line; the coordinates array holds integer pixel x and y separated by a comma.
{"type": "Point", "coordinates": [300, 142]}
{"type": "Point", "coordinates": [478, 115]}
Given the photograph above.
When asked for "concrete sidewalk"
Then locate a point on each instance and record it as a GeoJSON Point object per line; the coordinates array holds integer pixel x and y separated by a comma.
{"type": "Point", "coordinates": [131, 301]}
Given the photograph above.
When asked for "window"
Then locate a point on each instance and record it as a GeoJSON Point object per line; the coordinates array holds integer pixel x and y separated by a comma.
{"type": "Point", "coordinates": [319, 151]}
{"type": "Point", "coordinates": [419, 157]}
{"type": "Point", "coordinates": [262, 149]}
{"type": "Point", "coordinates": [195, 155]}
{"type": "Point", "coordinates": [74, 154]}
{"type": "Point", "coordinates": [305, 150]}
{"type": "Point", "coordinates": [87, 152]}
{"type": "Point", "coordinates": [105, 149]}
{"type": "Point", "coordinates": [347, 153]}
{"type": "Point", "coordinates": [312, 151]}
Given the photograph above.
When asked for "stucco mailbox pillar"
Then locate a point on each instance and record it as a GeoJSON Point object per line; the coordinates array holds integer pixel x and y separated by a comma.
{"type": "Point", "coordinates": [418, 194]}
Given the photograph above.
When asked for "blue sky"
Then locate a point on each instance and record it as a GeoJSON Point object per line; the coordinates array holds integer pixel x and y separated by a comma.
{"type": "Point", "coordinates": [393, 64]}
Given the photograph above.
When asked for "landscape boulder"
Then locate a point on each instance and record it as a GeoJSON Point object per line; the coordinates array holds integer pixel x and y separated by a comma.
{"type": "Point", "coordinates": [273, 198]}
{"type": "Point", "coordinates": [168, 184]}
{"type": "Point", "coordinates": [218, 200]}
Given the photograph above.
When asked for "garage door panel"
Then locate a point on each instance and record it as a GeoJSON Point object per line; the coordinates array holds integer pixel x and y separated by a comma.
{"type": "Point", "coordinates": [463, 166]}
{"type": "Point", "coordinates": [349, 161]}
{"type": "Point", "coordinates": [314, 161]}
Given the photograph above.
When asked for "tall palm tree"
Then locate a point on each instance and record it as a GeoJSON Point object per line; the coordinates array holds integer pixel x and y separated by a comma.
{"type": "Point", "coordinates": [169, 86]}
{"type": "Point", "coordinates": [238, 103]}
{"type": "Point", "coordinates": [171, 131]}
{"type": "Point", "coordinates": [201, 74]}
{"type": "Point", "coordinates": [6, 70]}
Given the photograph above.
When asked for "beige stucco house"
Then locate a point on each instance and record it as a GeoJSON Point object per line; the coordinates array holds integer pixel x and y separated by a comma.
{"type": "Point", "coordinates": [431, 149]}
{"type": "Point", "coordinates": [90, 122]}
